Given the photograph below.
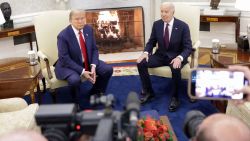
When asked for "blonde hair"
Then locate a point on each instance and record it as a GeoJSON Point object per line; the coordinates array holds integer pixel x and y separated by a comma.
{"type": "Point", "coordinates": [73, 11]}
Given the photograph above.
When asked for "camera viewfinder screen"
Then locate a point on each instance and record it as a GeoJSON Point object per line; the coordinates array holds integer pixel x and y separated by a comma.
{"type": "Point", "coordinates": [217, 84]}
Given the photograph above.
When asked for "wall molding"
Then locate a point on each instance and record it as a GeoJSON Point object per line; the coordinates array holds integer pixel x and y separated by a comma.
{"type": "Point", "coordinates": [24, 18]}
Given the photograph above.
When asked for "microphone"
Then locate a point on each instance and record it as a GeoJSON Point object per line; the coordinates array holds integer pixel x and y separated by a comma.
{"type": "Point", "coordinates": [133, 107]}
{"type": "Point", "coordinates": [106, 100]}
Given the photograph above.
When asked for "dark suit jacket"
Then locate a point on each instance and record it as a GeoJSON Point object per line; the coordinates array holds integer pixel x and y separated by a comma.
{"type": "Point", "coordinates": [180, 42]}
{"type": "Point", "coordinates": [69, 53]}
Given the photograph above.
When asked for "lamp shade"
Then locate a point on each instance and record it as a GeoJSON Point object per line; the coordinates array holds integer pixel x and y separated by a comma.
{"type": "Point", "coordinates": [2, 19]}
{"type": "Point", "coordinates": [242, 5]}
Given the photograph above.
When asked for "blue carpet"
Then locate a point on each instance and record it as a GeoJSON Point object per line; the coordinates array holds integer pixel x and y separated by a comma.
{"type": "Point", "coordinates": [120, 86]}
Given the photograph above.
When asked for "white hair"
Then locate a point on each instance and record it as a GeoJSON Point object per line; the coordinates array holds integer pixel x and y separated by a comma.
{"type": "Point", "coordinates": [169, 4]}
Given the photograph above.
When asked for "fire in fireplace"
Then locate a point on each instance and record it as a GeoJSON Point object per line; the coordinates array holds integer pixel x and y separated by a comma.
{"type": "Point", "coordinates": [118, 29]}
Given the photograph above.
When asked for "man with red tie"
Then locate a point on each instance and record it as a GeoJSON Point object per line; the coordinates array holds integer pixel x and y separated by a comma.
{"type": "Point", "coordinates": [174, 46]}
{"type": "Point", "coordinates": [78, 55]}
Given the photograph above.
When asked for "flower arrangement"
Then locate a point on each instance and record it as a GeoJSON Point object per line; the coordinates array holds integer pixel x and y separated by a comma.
{"type": "Point", "coordinates": [150, 129]}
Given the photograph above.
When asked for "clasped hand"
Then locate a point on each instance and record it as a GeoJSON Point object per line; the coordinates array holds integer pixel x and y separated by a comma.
{"type": "Point", "coordinates": [90, 75]}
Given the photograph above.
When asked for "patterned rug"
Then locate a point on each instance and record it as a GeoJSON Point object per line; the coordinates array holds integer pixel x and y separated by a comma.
{"type": "Point", "coordinates": [125, 70]}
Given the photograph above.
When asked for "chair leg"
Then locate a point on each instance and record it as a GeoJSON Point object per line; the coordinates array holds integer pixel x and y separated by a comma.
{"type": "Point", "coordinates": [44, 84]}
{"type": "Point", "coordinates": [74, 92]}
{"type": "Point", "coordinates": [53, 95]}
{"type": "Point", "coordinates": [39, 93]}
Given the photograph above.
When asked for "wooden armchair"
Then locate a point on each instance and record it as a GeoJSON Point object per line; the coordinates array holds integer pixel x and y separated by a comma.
{"type": "Point", "coordinates": [192, 18]}
{"type": "Point", "coordinates": [47, 27]}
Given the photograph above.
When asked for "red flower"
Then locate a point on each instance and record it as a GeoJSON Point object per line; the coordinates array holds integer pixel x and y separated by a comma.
{"type": "Point", "coordinates": [150, 129]}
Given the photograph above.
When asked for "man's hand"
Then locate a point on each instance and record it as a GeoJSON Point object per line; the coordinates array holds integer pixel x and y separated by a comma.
{"type": "Point", "coordinates": [88, 76]}
{"type": "Point", "coordinates": [246, 89]}
{"type": "Point", "coordinates": [244, 69]}
{"type": "Point", "coordinates": [143, 56]}
{"type": "Point", "coordinates": [176, 62]}
{"type": "Point", "coordinates": [93, 74]}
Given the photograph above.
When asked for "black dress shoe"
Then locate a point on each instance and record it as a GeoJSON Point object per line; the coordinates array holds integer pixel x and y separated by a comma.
{"type": "Point", "coordinates": [174, 104]}
{"type": "Point", "coordinates": [192, 100]}
{"type": "Point", "coordinates": [146, 97]}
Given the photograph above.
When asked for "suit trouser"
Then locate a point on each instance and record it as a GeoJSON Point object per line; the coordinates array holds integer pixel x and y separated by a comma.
{"type": "Point", "coordinates": [157, 61]}
{"type": "Point", "coordinates": [103, 72]}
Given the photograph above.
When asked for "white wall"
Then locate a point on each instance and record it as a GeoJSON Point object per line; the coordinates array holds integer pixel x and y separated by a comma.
{"type": "Point", "coordinates": [24, 10]}
{"type": "Point", "coordinates": [225, 32]}
{"type": "Point", "coordinates": [20, 7]}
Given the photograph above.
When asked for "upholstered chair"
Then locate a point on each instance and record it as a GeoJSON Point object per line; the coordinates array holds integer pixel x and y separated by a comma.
{"type": "Point", "coordinates": [241, 111]}
{"type": "Point", "coordinates": [191, 15]}
{"type": "Point", "coordinates": [47, 27]}
{"type": "Point", "coordinates": [15, 114]}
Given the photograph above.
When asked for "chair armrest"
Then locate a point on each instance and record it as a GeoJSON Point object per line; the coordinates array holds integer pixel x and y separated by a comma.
{"type": "Point", "coordinates": [197, 44]}
{"type": "Point", "coordinates": [12, 104]}
{"type": "Point", "coordinates": [45, 58]}
{"type": "Point", "coordinates": [23, 119]}
{"type": "Point", "coordinates": [194, 54]}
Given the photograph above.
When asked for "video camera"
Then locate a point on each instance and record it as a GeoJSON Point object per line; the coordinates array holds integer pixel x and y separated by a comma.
{"type": "Point", "coordinates": [191, 122]}
{"type": "Point", "coordinates": [62, 122]}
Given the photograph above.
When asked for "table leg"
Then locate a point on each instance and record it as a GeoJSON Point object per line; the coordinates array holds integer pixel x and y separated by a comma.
{"type": "Point", "coordinates": [30, 40]}
{"type": "Point", "coordinates": [39, 93]}
{"type": "Point", "coordinates": [32, 95]}
{"type": "Point", "coordinates": [220, 105]}
{"type": "Point", "coordinates": [35, 83]}
{"type": "Point", "coordinates": [237, 29]}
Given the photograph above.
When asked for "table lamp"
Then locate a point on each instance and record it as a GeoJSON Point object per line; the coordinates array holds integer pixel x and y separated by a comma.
{"type": "Point", "coordinates": [244, 6]}
{"type": "Point", "coordinates": [2, 19]}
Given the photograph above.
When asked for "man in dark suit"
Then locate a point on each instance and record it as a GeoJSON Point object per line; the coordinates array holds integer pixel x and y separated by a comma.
{"type": "Point", "coordinates": [174, 47]}
{"type": "Point", "coordinates": [78, 56]}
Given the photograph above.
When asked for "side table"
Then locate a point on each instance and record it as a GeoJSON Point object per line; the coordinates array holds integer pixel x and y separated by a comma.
{"type": "Point", "coordinates": [226, 57]}
{"type": "Point", "coordinates": [165, 120]}
{"type": "Point", "coordinates": [19, 29]}
{"type": "Point", "coordinates": [17, 77]}
{"type": "Point", "coordinates": [223, 18]}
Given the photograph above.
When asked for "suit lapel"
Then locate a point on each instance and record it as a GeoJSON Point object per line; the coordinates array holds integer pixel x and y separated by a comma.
{"type": "Point", "coordinates": [161, 29]}
{"type": "Point", "coordinates": [86, 37]}
{"type": "Point", "coordinates": [75, 43]}
{"type": "Point", "coordinates": [175, 30]}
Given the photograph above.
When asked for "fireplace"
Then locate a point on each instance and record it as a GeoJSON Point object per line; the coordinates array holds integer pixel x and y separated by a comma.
{"type": "Point", "coordinates": [117, 29]}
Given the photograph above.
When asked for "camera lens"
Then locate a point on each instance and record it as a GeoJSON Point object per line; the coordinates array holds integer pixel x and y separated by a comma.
{"type": "Point", "coordinates": [192, 121]}
{"type": "Point", "coordinates": [53, 134]}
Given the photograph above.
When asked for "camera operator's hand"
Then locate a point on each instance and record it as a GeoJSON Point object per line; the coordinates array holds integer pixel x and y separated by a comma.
{"type": "Point", "coordinates": [246, 89]}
